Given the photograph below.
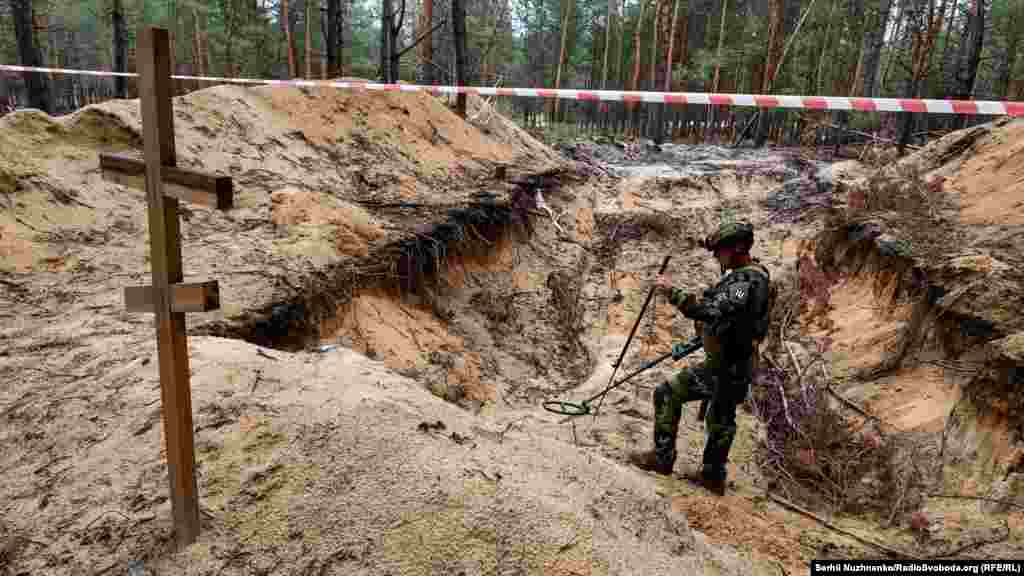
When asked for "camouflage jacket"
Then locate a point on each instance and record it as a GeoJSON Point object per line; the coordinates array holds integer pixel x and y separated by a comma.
{"type": "Point", "coordinates": [732, 315]}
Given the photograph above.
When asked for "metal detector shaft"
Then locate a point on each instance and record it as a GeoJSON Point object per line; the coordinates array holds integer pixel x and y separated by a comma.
{"type": "Point", "coordinates": [650, 294]}
{"type": "Point", "coordinates": [692, 346]}
{"type": "Point", "coordinates": [644, 368]}
{"type": "Point", "coordinates": [580, 408]}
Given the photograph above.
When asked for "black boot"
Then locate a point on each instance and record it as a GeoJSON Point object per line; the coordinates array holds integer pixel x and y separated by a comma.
{"type": "Point", "coordinates": [648, 460]}
{"type": "Point", "coordinates": [714, 483]}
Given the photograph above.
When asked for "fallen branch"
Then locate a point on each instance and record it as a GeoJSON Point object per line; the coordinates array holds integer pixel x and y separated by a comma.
{"type": "Point", "coordinates": [867, 134]}
{"type": "Point", "coordinates": [22, 401]}
{"type": "Point", "coordinates": [551, 213]}
{"type": "Point", "coordinates": [103, 515]}
{"type": "Point", "coordinates": [984, 498]}
{"type": "Point", "coordinates": [977, 544]}
{"type": "Point", "coordinates": [801, 510]}
{"type": "Point", "coordinates": [903, 483]}
{"type": "Point", "coordinates": [501, 435]}
{"type": "Point", "coordinates": [852, 405]}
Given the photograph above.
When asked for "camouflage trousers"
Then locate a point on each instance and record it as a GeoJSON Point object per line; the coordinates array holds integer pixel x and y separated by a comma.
{"type": "Point", "coordinates": [724, 393]}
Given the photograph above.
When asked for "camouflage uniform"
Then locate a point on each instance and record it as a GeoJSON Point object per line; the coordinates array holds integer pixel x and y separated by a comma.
{"type": "Point", "coordinates": [730, 318]}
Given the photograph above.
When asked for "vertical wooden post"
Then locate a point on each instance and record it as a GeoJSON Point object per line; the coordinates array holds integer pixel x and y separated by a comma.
{"type": "Point", "coordinates": [165, 248]}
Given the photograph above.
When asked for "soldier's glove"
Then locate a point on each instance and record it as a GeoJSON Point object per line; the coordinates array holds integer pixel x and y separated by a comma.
{"type": "Point", "coordinates": [681, 299]}
{"type": "Point", "coordinates": [679, 351]}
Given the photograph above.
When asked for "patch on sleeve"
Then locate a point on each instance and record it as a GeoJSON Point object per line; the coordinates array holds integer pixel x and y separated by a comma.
{"type": "Point", "coordinates": [738, 291]}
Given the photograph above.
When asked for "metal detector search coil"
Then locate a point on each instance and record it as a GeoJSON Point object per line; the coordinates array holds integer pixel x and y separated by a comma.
{"type": "Point", "coordinates": [567, 408]}
{"type": "Point", "coordinates": [583, 408]}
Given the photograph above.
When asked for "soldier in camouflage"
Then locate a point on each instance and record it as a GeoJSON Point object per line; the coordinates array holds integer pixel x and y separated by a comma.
{"type": "Point", "coordinates": [731, 318]}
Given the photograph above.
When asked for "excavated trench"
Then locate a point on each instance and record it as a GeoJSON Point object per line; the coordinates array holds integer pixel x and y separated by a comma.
{"type": "Point", "coordinates": [512, 303]}
{"type": "Point", "coordinates": [508, 303]}
{"type": "Point", "coordinates": [904, 340]}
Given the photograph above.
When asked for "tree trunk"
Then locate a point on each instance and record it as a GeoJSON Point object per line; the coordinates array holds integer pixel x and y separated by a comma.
{"type": "Point", "coordinates": [120, 50]}
{"type": "Point", "coordinates": [972, 41]}
{"type": "Point", "coordinates": [826, 41]}
{"type": "Point", "coordinates": [859, 20]}
{"type": "Point", "coordinates": [561, 54]}
{"type": "Point", "coordinates": [721, 40]}
{"type": "Point", "coordinates": [308, 22]}
{"type": "Point", "coordinates": [974, 35]}
{"type": "Point", "coordinates": [323, 41]}
{"type": "Point", "coordinates": [333, 42]}
{"type": "Point", "coordinates": [947, 68]}
{"type": "Point", "coordinates": [900, 25]}
{"type": "Point", "coordinates": [396, 28]}
{"type": "Point", "coordinates": [385, 39]}
{"type": "Point", "coordinates": [696, 27]}
{"type": "Point", "coordinates": [286, 23]}
{"type": "Point", "coordinates": [634, 85]}
{"type": "Point", "coordinates": [654, 120]}
{"type": "Point", "coordinates": [775, 40]}
{"type": "Point", "coordinates": [775, 67]}
{"type": "Point", "coordinates": [204, 44]}
{"type": "Point", "coordinates": [622, 45]}
{"type": "Point", "coordinates": [459, 26]}
{"type": "Point", "coordinates": [28, 55]}
{"type": "Point", "coordinates": [776, 13]}
{"type": "Point", "coordinates": [654, 45]}
{"type": "Point", "coordinates": [424, 70]}
{"type": "Point", "coordinates": [1005, 63]}
{"type": "Point", "coordinates": [607, 43]}
{"type": "Point", "coordinates": [924, 27]}
{"type": "Point", "coordinates": [636, 64]}
{"type": "Point", "coordinates": [197, 45]}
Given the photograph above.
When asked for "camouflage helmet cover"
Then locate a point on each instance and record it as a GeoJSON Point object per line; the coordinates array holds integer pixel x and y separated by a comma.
{"type": "Point", "coordinates": [730, 234]}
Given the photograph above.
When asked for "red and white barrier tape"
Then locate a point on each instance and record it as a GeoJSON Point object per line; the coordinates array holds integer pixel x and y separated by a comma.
{"type": "Point", "coordinates": [978, 107]}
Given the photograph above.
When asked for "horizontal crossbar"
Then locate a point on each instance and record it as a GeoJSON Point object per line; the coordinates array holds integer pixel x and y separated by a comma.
{"type": "Point", "coordinates": [195, 297]}
{"type": "Point", "coordinates": [180, 183]}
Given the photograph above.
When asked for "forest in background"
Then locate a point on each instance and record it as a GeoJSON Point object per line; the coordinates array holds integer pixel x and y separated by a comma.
{"type": "Point", "coordinates": [963, 49]}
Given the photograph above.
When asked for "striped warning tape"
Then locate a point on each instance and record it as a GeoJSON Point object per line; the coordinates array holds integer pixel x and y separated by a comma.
{"type": "Point", "coordinates": [976, 107]}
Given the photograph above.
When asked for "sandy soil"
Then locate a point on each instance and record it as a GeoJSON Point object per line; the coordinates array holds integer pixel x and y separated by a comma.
{"type": "Point", "coordinates": [334, 462]}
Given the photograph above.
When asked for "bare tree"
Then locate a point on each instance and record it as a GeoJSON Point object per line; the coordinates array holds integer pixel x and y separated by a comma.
{"type": "Point", "coordinates": [28, 54]}
{"type": "Point", "coordinates": [389, 29]}
{"type": "Point", "coordinates": [874, 37]}
{"type": "Point", "coordinates": [425, 51]}
{"type": "Point", "coordinates": [333, 42]}
{"type": "Point", "coordinates": [776, 37]}
{"type": "Point", "coordinates": [308, 36]}
{"type": "Point", "coordinates": [924, 21]}
{"type": "Point", "coordinates": [635, 84]}
{"type": "Point", "coordinates": [971, 43]}
{"type": "Point", "coordinates": [120, 49]}
{"type": "Point", "coordinates": [721, 42]}
{"type": "Point", "coordinates": [459, 26]}
{"type": "Point", "coordinates": [561, 52]}
{"type": "Point", "coordinates": [607, 42]}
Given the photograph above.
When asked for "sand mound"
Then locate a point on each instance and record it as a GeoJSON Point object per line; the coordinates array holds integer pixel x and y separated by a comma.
{"type": "Point", "coordinates": [983, 167]}
{"type": "Point", "coordinates": [924, 299]}
{"type": "Point", "coordinates": [411, 441]}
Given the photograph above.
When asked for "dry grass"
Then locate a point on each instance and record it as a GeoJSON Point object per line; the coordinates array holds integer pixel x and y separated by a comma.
{"type": "Point", "coordinates": [817, 452]}
{"type": "Point", "coordinates": [917, 214]}
{"type": "Point", "coordinates": [812, 447]}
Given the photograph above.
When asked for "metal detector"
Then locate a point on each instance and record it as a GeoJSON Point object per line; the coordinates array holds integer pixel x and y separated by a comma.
{"type": "Point", "coordinates": [583, 408]}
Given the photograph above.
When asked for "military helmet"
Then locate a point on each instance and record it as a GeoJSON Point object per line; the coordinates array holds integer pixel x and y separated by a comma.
{"type": "Point", "coordinates": [730, 234]}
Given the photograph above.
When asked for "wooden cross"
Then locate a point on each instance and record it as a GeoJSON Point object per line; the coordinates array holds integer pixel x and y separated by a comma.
{"type": "Point", "coordinates": [169, 298]}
